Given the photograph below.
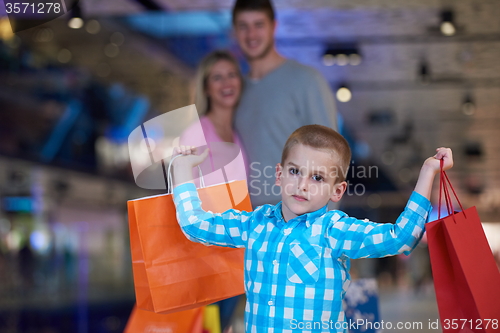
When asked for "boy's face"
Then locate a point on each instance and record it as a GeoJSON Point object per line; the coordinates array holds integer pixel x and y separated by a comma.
{"type": "Point", "coordinates": [254, 31]}
{"type": "Point", "coordinates": [307, 181]}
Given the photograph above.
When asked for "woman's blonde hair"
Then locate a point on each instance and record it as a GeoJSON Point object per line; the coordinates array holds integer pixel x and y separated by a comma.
{"type": "Point", "coordinates": [201, 99]}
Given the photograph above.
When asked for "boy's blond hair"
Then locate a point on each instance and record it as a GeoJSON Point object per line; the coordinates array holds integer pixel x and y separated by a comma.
{"type": "Point", "coordinates": [321, 137]}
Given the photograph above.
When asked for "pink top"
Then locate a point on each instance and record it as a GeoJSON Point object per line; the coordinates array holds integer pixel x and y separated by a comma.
{"type": "Point", "coordinates": [228, 158]}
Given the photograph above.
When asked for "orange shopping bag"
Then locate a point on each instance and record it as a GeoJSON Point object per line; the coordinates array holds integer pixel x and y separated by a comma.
{"type": "Point", "coordinates": [466, 278]}
{"type": "Point", "coordinates": [171, 273]}
{"type": "Point", "coordinates": [141, 321]}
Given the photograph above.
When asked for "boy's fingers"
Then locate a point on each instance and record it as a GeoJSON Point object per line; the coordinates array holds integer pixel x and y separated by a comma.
{"type": "Point", "coordinates": [204, 154]}
{"type": "Point", "coordinates": [442, 152]}
{"type": "Point", "coordinates": [188, 150]}
{"type": "Point", "coordinates": [446, 155]}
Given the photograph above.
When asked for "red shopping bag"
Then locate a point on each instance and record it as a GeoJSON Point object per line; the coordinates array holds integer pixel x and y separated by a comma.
{"type": "Point", "coordinates": [171, 273]}
{"type": "Point", "coordinates": [466, 278]}
{"type": "Point", "coordinates": [141, 321]}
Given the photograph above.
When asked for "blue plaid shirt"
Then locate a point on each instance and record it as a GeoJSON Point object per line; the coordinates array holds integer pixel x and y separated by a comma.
{"type": "Point", "coordinates": [296, 273]}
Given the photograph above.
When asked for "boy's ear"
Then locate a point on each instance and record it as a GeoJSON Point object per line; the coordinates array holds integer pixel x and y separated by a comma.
{"type": "Point", "coordinates": [338, 191]}
{"type": "Point", "coordinates": [279, 173]}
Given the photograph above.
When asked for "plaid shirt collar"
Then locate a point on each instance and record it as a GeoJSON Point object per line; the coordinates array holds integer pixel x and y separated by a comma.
{"type": "Point", "coordinates": [308, 218]}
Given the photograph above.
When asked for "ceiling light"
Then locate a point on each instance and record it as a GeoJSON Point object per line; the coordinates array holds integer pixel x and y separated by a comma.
{"type": "Point", "coordinates": [424, 72]}
{"type": "Point", "coordinates": [354, 59]}
{"type": "Point", "coordinates": [447, 26]}
{"type": "Point", "coordinates": [329, 59]}
{"type": "Point", "coordinates": [75, 23]}
{"type": "Point", "coordinates": [342, 55]}
{"type": "Point", "coordinates": [93, 27]}
{"type": "Point", "coordinates": [76, 20]}
{"type": "Point", "coordinates": [342, 59]}
{"type": "Point", "coordinates": [468, 106]}
{"type": "Point", "coordinates": [344, 94]}
{"type": "Point", "coordinates": [64, 56]}
{"type": "Point", "coordinates": [448, 29]}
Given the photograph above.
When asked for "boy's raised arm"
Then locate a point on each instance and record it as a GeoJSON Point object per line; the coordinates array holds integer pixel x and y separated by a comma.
{"type": "Point", "coordinates": [360, 239]}
{"type": "Point", "coordinates": [224, 229]}
{"type": "Point", "coordinates": [356, 238]}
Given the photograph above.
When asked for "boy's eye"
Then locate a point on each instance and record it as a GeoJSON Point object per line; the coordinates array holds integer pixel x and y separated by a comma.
{"type": "Point", "coordinates": [318, 178]}
{"type": "Point", "coordinates": [293, 171]}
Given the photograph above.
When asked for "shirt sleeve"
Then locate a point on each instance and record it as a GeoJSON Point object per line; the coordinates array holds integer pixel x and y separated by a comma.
{"type": "Point", "coordinates": [318, 104]}
{"type": "Point", "coordinates": [355, 238]}
{"type": "Point", "coordinates": [223, 229]}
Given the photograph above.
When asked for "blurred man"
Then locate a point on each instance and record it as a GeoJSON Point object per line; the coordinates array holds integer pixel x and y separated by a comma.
{"type": "Point", "coordinates": [280, 95]}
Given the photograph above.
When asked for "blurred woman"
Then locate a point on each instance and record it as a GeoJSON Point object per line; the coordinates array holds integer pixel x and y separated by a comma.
{"type": "Point", "coordinates": [218, 88]}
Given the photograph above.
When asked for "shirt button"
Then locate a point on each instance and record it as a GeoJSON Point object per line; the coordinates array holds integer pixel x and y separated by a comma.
{"type": "Point", "coordinates": [275, 262]}
{"type": "Point", "coordinates": [270, 302]}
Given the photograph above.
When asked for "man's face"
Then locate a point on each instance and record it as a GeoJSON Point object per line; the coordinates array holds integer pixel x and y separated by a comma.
{"type": "Point", "coordinates": [254, 31]}
{"type": "Point", "coordinates": [307, 181]}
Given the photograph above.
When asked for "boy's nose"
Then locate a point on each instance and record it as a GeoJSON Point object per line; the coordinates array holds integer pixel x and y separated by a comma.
{"type": "Point", "coordinates": [302, 184]}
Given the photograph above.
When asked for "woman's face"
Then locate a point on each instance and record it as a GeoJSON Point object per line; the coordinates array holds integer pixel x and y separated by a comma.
{"type": "Point", "coordinates": [223, 85]}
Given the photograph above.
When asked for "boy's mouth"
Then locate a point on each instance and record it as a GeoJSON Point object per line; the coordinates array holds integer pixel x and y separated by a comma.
{"type": "Point", "coordinates": [299, 198]}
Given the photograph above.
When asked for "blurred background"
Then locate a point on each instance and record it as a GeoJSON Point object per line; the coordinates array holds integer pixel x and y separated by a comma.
{"type": "Point", "coordinates": [408, 77]}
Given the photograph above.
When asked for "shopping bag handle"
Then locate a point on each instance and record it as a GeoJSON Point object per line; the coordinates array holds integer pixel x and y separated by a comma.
{"type": "Point", "coordinates": [443, 189]}
{"type": "Point", "coordinates": [444, 182]}
{"type": "Point", "coordinates": [169, 175]}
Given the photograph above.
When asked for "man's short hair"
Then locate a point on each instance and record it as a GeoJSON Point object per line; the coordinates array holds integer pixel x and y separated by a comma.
{"type": "Point", "coordinates": [324, 138]}
{"type": "Point", "coordinates": [253, 5]}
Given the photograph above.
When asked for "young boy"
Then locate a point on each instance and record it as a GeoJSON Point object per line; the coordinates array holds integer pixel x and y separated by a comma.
{"type": "Point", "coordinates": [297, 253]}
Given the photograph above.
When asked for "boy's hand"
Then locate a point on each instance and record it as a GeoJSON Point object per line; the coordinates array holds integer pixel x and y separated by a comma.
{"type": "Point", "coordinates": [190, 159]}
{"type": "Point", "coordinates": [183, 165]}
{"type": "Point", "coordinates": [431, 167]}
{"type": "Point", "coordinates": [434, 162]}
